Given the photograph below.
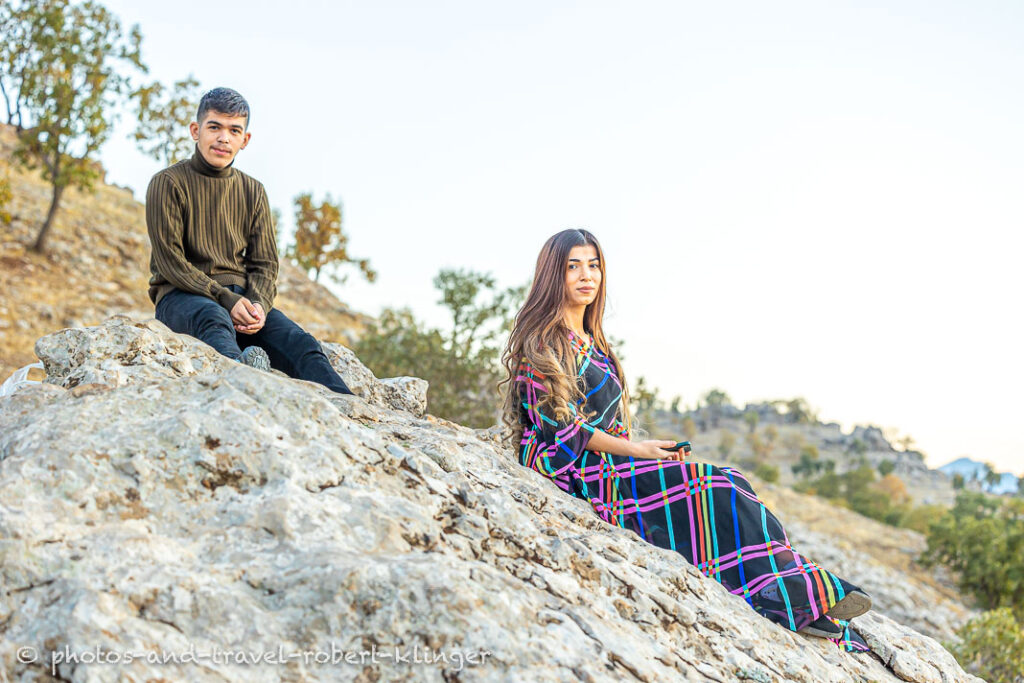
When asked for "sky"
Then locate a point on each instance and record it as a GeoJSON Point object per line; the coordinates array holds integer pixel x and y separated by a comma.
{"type": "Point", "coordinates": [794, 199]}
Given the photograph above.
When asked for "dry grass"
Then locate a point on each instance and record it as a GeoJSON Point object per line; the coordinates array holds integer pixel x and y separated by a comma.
{"type": "Point", "coordinates": [97, 265]}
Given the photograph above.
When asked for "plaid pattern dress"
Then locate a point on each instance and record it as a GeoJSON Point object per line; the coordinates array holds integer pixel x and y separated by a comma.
{"type": "Point", "coordinates": [708, 514]}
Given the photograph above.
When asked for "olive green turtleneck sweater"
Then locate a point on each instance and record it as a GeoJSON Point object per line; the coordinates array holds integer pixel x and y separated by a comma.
{"type": "Point", "coordinates": [210, 228]}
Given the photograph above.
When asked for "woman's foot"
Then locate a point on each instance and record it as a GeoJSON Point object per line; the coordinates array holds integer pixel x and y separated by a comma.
{"type": "Point", "coordinates": [854, 603]}
{"type": "Point", "coordinates": [822, 628]}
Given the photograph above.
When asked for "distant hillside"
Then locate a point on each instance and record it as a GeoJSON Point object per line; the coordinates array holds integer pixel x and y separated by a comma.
{"type": "Point", "coordinates": [720, 425]}
{"type": "Point", "coordinates": [97, 265]}
{"type": "Point", "coordinates": [974, 471]}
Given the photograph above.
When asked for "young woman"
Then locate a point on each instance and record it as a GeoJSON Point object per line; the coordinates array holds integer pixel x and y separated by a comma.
{"type": "Point", "coordinates": [566, 408]}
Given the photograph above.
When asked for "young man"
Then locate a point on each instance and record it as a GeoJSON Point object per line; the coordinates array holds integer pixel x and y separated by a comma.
{"type": "Point", "coordinates": [214, 259]}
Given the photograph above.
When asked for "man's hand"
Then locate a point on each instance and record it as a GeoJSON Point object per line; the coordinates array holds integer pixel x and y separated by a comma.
{"type": "Point", "coordinates": [248, 317]}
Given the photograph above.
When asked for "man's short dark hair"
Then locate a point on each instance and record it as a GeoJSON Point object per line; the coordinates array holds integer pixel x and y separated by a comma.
{"type": "Point", "coordinates": [224, 101]}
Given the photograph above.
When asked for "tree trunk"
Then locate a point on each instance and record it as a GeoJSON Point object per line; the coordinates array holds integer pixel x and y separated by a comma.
{"type": "Point", "coordinates": [40, 244]}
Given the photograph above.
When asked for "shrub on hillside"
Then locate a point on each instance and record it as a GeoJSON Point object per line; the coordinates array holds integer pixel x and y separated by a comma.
{"type": "Point", "coordinates": [766, 472]}
{"type": "Point", "coordinates": [982, 539]}
{"type": "Point", "coordinates": [992, 646]}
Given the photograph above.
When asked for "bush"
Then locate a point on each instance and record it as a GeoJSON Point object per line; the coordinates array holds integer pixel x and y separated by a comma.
{"type": "Point", "coordinates": [767, 473]}
{"type": "Point", "coordinates": [886, 467]}
{"type": "Point", "coordinates": [992, 646]}
{"type": "Point", "coordinates": [982, 538]}
{"type": "Point", "coordinates": [921, 518]}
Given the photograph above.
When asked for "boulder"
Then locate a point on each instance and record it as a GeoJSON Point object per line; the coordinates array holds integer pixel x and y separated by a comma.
{"type": "Point", "coordinates": [166, 514]}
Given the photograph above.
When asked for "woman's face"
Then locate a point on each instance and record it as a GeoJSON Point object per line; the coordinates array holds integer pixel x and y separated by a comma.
{"type": "Point", "coordinates": [582, 276]}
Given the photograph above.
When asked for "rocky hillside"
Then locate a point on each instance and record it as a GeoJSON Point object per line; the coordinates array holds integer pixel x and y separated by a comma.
{"type": "Point", "coordinates": [157, 500]}
{"type": "Point", "coordinates": [787, 437]}
{"type": "Point", "coordinates": [97, 265]}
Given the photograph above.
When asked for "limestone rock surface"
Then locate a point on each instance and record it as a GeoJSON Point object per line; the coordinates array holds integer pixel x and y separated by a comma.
{"type": "Point", "coordinates": [158, 500]}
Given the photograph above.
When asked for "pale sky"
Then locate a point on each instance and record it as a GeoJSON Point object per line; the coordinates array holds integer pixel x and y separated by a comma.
{"type": "Point", "coordinates": [795, 199]}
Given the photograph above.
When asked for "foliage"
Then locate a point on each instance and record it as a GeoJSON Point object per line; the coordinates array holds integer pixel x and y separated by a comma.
{"type": "Point", "coordinates": [761, 447]}
{"type": "Point", "coordinates": [982, 538]}
{"type": "Point", "coordinates": [163, 118]}
{"type": "Point", "coordinates": [62, 65]}
{"type": "Point", "coordinates": [886, 467]}
{"type": "Point", "coordinates": [319, 239]}
{"type": "Point", "coordinates": [674, 405]}
{"type": "Point", "coordinates": [644, 400]}
{"type": "Point", "coordinates": [921, 517]}
{"type": "Point", "coordinates": [799, 412]}
{"type": "Point", "coordinates": [726, 443]}
{"type": "Point", "coordinates": [461, 363]}
{"type": "Point", "coordinates": [715, 400]}
{"type": "Point", "coordinates": [751, 418]}
{"type": "Point", "coordinates": [958, 481]}
{"type": "Point", "coordinates": [766, 472]}
{"type": "Point", "coordinates": [689, 428]}
{"type": "Point", "coordinates": [5, 196]}
{"type": "Point", "coordinates": [992, 646]}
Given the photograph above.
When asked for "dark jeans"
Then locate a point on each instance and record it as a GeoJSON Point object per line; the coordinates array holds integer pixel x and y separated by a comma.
{"type": "Point", "coordinates": [291, 349]}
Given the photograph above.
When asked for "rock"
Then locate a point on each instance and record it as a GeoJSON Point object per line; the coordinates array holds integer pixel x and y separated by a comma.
{"type": "Point", "coordinates": [122, 350]}
{"type": "Point", "coordinates": [401, 393]}
{"type": "Point", "coordinates": [199, 506]}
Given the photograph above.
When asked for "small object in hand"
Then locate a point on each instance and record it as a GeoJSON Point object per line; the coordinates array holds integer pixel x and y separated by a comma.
{"type": "Point", "coordinates": [685, 445]}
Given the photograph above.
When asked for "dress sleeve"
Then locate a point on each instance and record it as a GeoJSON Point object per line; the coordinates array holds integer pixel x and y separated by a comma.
{"type": "Point", "coordinates": [559, 442]}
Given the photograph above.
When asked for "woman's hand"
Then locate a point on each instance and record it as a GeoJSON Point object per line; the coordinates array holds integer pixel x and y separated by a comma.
{"type": "Point", "coordinates": [652, 449]}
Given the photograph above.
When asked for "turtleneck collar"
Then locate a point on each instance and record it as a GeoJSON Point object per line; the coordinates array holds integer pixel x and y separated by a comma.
{"type": "Point", "coordinates": [200, 165]}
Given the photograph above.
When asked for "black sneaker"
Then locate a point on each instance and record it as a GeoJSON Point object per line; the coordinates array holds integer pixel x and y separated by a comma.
{"type": "Point", "coordinates": [822, 628]}
{"type": "Point", "coordinates": [854, 603]}
{"type": "Point", "coordinates": [255, 357]}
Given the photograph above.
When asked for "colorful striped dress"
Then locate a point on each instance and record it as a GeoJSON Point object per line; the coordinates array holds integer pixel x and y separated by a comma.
{"type": "Point", "coordinates": [708, 514]}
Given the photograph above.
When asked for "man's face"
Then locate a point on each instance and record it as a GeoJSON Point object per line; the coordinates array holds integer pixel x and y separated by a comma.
{"type": "Point", "coordinates": [220, 137]}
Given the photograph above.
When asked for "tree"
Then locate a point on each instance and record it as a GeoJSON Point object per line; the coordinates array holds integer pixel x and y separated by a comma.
{"type": "Point", "coordinates": [982, 539]}
{"type": "Point", "coordinates": [319, 240]}
{"type": "Point", "coordinates": [799, 412]}
{"type": "Point", "coordinates": [715, 399]}
{"type": "Point", "coordinates": [886, 467]}
{"type": "Point", "coordinates": [992, 478]}
{"type": "Point", "coordinates": [674, 405]}
{"type": "Point", "coordinates": [992, 646]}
{"type": "Point", "coordinates": [163, 118]}
{"type": "Point", "coordinates": [64, 83]}
{"type": "Point", "coordinates": [958, 481]}
{"type": "Point", "coordinates": [461, 363]}
{"type": "Point", "coordinates": [751, 418]}
{"type": "Point", "coordinates": [644, 399]}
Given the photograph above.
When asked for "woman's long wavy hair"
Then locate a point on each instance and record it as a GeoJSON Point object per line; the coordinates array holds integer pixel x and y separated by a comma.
{"type": "Point", "coordinates": [539, 335]}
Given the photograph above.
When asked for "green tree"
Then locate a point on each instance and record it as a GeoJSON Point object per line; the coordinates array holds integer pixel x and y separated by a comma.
{"type": "Point", "coordinates": [320, 240]}
{"type": "Point", "coordinates": [674, 406]}
{"type": "Point", "coordinates": [886, 467]}
{"type": "Point", "coordinates": [751, 418]}
{"type": "Point", "coordinates": [715, 400]}
{"type": "Point", "coordinates": [982, 539]}
{"type": "Point", "coordinates": [461, 364]}
{"type": "Point", "coordinates": [798, 411]}
{"type": "Point", "coordinates": [992, 478]}
{"type": "Point", "coordinates": [644, 399]}
{"type": "Point", "coordinates": [163, 118]}
{"type": "Point", "coordinates": [66, 67]}
{"type": "Point", "coordinates": [958, 481]}
{"type": "Point", "coordinates": [992, 646]}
